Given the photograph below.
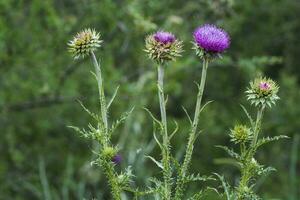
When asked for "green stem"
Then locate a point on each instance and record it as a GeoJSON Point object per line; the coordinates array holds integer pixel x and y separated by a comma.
{"type": "Point", "coordinates": [246, 170]}
{"type": "Point", "coordinates": [101, 91]}
{"type": "Point", "coordinates": [112, 180]}
{"type": "Point", "coordinates": [107, 166]}
{"type": "Point", "coordinates": [190, 146]}
{"type": "Point", "coordinates": [166, 142]}
{"type": "Point", "coordinates": [257, 125]}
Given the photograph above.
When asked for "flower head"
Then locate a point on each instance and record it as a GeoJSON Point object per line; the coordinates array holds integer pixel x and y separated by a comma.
{"type": "Point", "coordinates": [117, 159]}
{"type": "Point", "coordinates": [164, 37]}
{"type": "Point", "coordinates": [262, 91]}
{"type": "Point", "coordinates": [163, 47]}
{"type": "Point", "coordinates": [240, 134]}
{"type": "Point", "coordinates": [210, 40]}
{"type": "Point", "coordinates": [84, 43]}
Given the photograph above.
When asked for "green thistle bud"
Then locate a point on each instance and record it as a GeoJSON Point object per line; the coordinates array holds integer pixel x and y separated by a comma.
{"type": "Point", "coordinates": [240, 134]}
{"type": "Point", "coordinates": [246, 193]}
{"type": "Point", "coordinates": [163, 47]}
{"type": "Point", "coordinates": [109, 152]}
{"type": "Point", "coordinates": [84, 43]}
{"type": "Point", "coordinates": [262, 92]}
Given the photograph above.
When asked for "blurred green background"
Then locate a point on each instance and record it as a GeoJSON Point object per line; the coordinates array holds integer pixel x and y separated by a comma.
{"type": "Point", "coordinates": [40, 158]}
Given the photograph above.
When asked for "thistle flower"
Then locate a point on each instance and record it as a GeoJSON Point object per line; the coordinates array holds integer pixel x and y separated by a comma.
{"type": "Point", "coordinates": [163, 47]}
{"type": "Point", "coordinates": [210, 41]}
{"type": "Point", "coordinates": [262, 92]}
{"type": "Point", "coordinates": [240, 134]}
{"type": "Point", "coordinates": [117, 159]}
{"type": "Point", "coordinates": [84, 43]}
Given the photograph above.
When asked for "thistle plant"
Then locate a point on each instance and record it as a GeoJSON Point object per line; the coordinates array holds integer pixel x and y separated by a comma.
{"type": "Point", "coordinates": [262, 94]}
{"type": "Point", "coordinates": [209, 43]}
{"type": "Point", "coordinates": [84, 44]}
{"type": "Point", "coordinates": [163, 47]}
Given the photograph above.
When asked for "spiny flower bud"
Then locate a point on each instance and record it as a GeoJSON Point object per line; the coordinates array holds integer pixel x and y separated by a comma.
{"type": "Point", "coordinates": [109, 152]}
{"type": "Point", "coordinates": [163, 47]}
{"type": "Point", "coordinates": [210, 41]}
{"type": "Point", "coordinates": [262, 92]}
{"type": "Point", "coordinates": [240, 134]}
{"type": "Point", "coordinates": [84, 43]}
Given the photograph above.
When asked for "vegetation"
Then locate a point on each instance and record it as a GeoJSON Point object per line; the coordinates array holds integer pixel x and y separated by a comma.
{"type": "Point", "coordinates": [41, 158]}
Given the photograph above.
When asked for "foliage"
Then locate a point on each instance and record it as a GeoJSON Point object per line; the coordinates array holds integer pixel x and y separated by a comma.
{"type": "Point", "coordinates": [42, 159]}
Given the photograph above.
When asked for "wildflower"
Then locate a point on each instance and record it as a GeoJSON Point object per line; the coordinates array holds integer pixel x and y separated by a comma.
{"type": "Point", "coordinates": [210, 41]}
{"type": "Point", "coordinates": [117, 159]}
{"type": "Point", "coordinates": [163, 47]}
{"type": "Point", "coordinates": [84, 43]}
{"type": "Point", "coordinates": [262, 92]}
{"type": "Point", "coordinates": [240, 134]}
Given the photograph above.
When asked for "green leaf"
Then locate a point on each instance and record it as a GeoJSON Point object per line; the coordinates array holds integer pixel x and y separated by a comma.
{"type": "Point", "coordinates": [248, 115]}
{"type": "Point", "coordinates": [93, 115]}
{"type": "Point", "coordinates": [270, 139]}
{"type": "Point", "coordinates": [113, 97]}
{"type": "Point", "coordinates": [156, 162]}
{"type": "Point", "coordinates": [119, 121]}
{"type": "Point", "coordinates": [230, 152]}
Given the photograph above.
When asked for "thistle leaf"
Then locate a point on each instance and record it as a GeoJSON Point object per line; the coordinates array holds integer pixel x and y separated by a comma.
{"type": "Point", "coordinates": [93, 115]}
{"type": "Point", "coordinates": [270, 139]}
{"type": "Point", "coordinates": [248, 115]}
{"type": "Point", "coordinates": [113, 97]}
{"type": "Point", "coordinates": [118, 122]}
{"type": "Point", "coordinates": [175, 130]}
{"type": "Point", "coordinates": [230, 152]}
{"type": "Point", "coordinates": [156, 162]}
{"type": "Point", "coordinates": [225, 186]}
{"type": "Point", "coordinates": [187, 114]}
{"type": "Point", "coordinates": [154, 119]}
{"type": "Point", "coordinates": [202, 108]}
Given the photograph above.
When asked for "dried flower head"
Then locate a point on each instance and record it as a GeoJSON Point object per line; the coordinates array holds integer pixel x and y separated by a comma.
{"type": "Point", "coordinates": [210, 41]}
{"type": "Point", "coordinates": [262, 92]}
{"type": "Point", "coordinates": [240, 134]}
{"type": "Point", "coordinates": [84, 43]}
{"type": "Point", "coordinates": [163, 47]}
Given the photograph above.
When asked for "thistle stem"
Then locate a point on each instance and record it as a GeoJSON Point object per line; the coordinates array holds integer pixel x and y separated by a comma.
{"type": "Point", "coordinates": [166, 141]}
{"type": "Point", "coordinates": [257, 125]}
{"type": "Point", "coordinates": [101, 91]}
{"type": "Point", "coordinates": [190, 146]}
{"type": "Point", "coordinates": [107, 166]}
{"type": "Point", "coordinates": [246, 170]}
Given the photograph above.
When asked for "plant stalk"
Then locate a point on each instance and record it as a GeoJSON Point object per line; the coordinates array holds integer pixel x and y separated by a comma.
{"type": "Point", "coordinates": [246, 171]}
{"type": "Point", "coordinates": [257, 125]}
{"type": "Point", "coordinates": [166, 141]}
{"type": "Point", "coordinates": [107, 166]}
{"type": "Point", "coordinates": [190, 146]}
{"type": "Point", "coordinates": [101, 91]}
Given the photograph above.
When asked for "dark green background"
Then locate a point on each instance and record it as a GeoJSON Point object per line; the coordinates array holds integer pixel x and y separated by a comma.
{"type": "Point", "coordinates": [40, 158]}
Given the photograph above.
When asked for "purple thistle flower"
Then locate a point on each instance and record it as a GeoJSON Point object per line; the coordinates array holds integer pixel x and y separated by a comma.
{"type": "Point", "coordinates": [211, 38]}
{"type": "Point", "coordinates": [164, 37]}
{"type": "Point", "coordinates": [117, 159]}
{"type": "Point", "coordinates": [264, 86]}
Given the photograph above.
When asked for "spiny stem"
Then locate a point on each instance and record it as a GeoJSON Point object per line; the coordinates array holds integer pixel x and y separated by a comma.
{"type": "Point", "coordinates": [257, 125]}
{"type": "Point", "coordinates": [101, 91]}
{"type": "Point", "coordinates": [190, 146]}
{"type": "Point", "coordinates": [245, 171]}
{"type": "Point", "coordinates": [107, 166]}
{"type": "Point", "coordinates": [112, 180]}
{"type": "Point", "coordinates": [166, 142]}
